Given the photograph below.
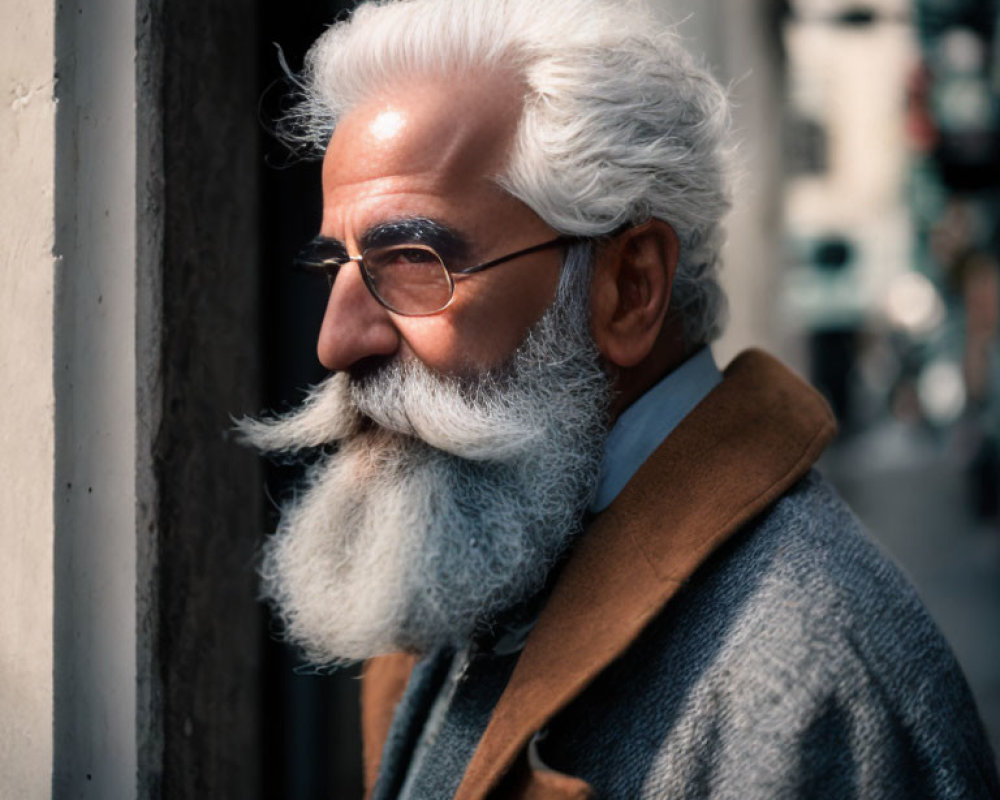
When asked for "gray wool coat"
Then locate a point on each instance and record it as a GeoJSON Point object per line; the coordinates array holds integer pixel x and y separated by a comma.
{"type": "Point", "coordinates": [724, 630]}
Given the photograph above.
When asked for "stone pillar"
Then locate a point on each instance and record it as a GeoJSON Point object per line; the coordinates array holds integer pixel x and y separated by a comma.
{"type": "Point", "coordinates": [27, 430]}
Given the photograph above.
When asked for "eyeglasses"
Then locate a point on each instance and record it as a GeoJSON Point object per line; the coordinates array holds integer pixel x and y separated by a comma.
{"type": "Point", "coordinates": [408, 279]}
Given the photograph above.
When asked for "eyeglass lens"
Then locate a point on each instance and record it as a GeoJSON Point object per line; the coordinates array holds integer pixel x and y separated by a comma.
{"type": "Point", "coordinates": [409, 279]}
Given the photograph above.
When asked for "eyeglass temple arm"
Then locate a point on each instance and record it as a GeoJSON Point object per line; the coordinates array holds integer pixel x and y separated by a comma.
{"type": "Point", "coordinates": [559, 241]}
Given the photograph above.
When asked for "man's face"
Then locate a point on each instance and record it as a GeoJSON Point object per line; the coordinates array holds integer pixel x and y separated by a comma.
{"type": "Point", "coordinates": [453, 468]}
{"type": "Point", "coordinates": [430, 150]}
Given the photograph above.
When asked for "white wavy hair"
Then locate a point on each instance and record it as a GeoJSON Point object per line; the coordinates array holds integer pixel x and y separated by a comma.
{"type": "Point", "coordinates": [619, 124]}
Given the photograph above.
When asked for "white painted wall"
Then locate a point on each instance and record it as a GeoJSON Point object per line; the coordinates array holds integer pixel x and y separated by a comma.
{"type": "Point", "coordinates": [27, 430]}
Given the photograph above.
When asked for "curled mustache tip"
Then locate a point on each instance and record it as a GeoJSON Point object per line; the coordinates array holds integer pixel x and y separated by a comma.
{"type": "Point", "coordinates": [326, 416]}
{"type": "Point", "coordinates": [288, 435]}
{"type": "Point", "coordinates": [261, 434]}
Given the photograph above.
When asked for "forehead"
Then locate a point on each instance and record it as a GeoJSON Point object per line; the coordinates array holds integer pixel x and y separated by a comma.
{"type": "Point", "coordinates": [431, 140]}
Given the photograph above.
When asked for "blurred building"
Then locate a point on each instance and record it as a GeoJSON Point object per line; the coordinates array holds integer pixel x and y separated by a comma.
{"type": "Point", "coordinates": [740, 41]}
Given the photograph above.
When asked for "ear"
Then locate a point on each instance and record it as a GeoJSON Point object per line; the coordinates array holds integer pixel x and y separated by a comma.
{"type": "Point", "coordinates": [630, 292]}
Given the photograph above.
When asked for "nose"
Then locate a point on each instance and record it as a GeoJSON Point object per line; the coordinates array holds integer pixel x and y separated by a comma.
{"type": "Point", "coordinates": [355, 326]}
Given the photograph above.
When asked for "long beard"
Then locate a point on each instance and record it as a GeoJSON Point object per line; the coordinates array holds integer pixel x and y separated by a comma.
{"type": "Point", "coordinates": [440, 502]}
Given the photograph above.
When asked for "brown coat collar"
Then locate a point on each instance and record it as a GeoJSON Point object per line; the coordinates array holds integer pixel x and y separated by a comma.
{"type": "Point", "coordinates": [739, 450]}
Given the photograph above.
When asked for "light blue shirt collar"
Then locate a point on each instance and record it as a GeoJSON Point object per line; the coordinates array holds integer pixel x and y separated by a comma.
{"type": "Point", "coordinates": [649, 420]}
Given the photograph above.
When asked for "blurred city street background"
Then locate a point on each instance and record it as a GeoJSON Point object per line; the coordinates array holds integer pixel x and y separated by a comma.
{"type": "Point", "coordinates": [877, 197]}
{"type": "Point", "coordinates": [911, 492]}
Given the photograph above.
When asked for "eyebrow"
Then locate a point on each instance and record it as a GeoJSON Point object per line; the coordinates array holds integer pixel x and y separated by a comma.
{"type": "Point", "coordinates": [447, 242]}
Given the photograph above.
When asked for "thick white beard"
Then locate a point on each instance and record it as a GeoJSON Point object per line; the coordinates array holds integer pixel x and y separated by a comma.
{"type": "Point", "coordinates": [445, 501]}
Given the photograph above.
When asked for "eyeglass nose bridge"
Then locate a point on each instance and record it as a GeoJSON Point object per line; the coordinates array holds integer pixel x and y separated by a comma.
{"type": "Point", "coordinates": [366, 278]}
{"type": "Point", "coordinates": [332, 269]}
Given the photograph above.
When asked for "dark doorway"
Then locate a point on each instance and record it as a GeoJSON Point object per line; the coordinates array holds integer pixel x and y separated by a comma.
{"type": "Point", "coordinates": [310, 722]}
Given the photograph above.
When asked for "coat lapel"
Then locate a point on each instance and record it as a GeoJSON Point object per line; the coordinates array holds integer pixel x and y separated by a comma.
{"type": "Point", "coordinates": [383, 682]}
{"type": "Point", "coordinates": [746, 444]}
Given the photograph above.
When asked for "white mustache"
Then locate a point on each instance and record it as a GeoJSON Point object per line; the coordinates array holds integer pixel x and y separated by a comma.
{"type": "Point", "coordinates": [407, 399]}
{"type": "Point", "coordinates": [324, 417]}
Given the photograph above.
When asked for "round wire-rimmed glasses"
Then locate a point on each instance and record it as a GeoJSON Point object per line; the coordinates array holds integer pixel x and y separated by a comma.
{"type": "Point", "coordinates": [408, 279]}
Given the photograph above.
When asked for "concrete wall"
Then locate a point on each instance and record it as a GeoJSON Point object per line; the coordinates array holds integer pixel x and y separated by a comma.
{"type": "Point", "coordinates": [129, 629]}
{"type": "Point", "coordinates": [67, 363]}
{"type": "Point", "coordinates": [27, 432]}
{"type": "Point", "coordinates": [95, 387]}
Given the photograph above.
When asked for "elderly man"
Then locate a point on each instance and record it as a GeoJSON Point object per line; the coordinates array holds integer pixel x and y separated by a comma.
{"type": "Point", "coordinates": [580, 560]}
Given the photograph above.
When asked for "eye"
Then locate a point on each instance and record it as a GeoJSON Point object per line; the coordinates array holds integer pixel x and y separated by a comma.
{"type": "Point", "coordinates": [402, 257]}
{"type": "Point", "coordinates": [412, 255]}
{"type": "Point", "coordinates": [408, 279]}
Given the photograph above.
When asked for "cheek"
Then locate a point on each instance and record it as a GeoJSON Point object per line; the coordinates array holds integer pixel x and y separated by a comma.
{"type": "Point", "coordinates": [484, 325]}
{"type": "Point", "coordinates": [436, 341]}
{"type": "Point", "coordinates": [462, 343]}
